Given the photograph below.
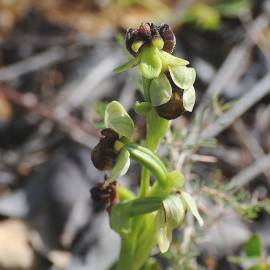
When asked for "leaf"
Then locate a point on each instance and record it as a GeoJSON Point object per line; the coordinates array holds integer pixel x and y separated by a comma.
{"type": "Point", "coordinates": [130, 64]}
{"type": "Point", "coordinates": [120, 218]}
{"type": "Point", "coordinates": [151, 64]}
{"type": "Point", "coordinates": [168, 59]}
{"type": "Point", "coordinates": [191, 205]}
{"type": "Point", "coordinates": [121, 166]}
{"type": "Point", "coordinates": [183, 77]}
{"type": "Point", "coordinates": [160, 90]}
{"type": "Point", "coordinates": [145, 205]}
{"type": "Point", "coordinates": [189, 98]}
{"type": "Point", "coordinates": [118, 119]}
{"type": "Point", "coordinates": [253, 247]}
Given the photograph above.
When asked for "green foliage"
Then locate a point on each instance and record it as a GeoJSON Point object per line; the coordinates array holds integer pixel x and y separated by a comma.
{"type": "Point", "coordinates": [253, 247]}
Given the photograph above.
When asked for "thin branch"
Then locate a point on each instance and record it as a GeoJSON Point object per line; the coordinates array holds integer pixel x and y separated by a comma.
{"type": "Point", "coordinates": [260, 89]}
{"type": "Point", "coordinates": [249, 173]}
{"type": "Point", "coordinates": [78, 130]}
{"type": "Point", "coordinates": [36, 62]}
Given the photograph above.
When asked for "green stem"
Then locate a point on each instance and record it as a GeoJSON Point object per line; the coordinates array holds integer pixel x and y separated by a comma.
{"type": "Point", "coordinates": [124, 193]}
{"type": "Point", "coordinates": [156, 129]}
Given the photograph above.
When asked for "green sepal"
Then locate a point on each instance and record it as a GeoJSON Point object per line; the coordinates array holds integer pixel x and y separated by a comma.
{"type": "Point", "coordinates": [191, 205]}
{"type": "Point", "coordinates": [120, 220]}
{"type": "Point", "coordinates": [118, 119]}
{"type": "Point", "coordinates": [189, 98]}
{"type": "Point", "coordinates": [169, 217]}
{"type": "Point", "coordinates": [170, 60]}
{"type": "Point", "coordinates": [150, 64]}
{"type": "Point", "coordinates": [142, 108]}
{"type": "Point", "coordinates": [130, 64]}
{"type": "Point", "coordinates": [183, 77]}
{"type": "Point", "coordinates": [121, 166]}
{"type": "Point", "coordinates": [160, 90]}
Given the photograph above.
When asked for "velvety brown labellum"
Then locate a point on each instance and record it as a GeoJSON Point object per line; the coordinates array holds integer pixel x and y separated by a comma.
{"type": "Point", "coordinates": [105, 193]}
{"type": "Point", "coordinates": [174, 107]}
{"type": "Point", "coordinates": [104, 155]}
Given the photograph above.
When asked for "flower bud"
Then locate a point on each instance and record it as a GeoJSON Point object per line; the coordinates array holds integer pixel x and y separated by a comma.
{"type": "Point", "coordinates": [168, 37]}
{"type": "Point", "coordinates": [104, 155]}
{"type": "Point", "coordinates": [161, 37]}
{"type": "Point", "coordinates": [105, 193]}
{"type": "Point", "coordinates": [174, 107]}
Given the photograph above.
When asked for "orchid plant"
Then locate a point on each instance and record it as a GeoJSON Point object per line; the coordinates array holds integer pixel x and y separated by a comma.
{"type": "Point", "coordinates": [148, 218]}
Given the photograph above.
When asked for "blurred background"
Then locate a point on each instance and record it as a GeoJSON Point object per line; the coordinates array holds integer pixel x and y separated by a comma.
{"type": "Point", "coordinates": [56, 77]}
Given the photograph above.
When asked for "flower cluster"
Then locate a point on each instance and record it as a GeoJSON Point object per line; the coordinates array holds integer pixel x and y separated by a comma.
{"type": "Point", "coordinates": [148, 218]}
{"type": "Point", "coordinates": [167, 79]}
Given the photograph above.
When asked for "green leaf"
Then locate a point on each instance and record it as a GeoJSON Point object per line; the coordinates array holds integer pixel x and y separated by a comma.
{"type": "Point", "coordinates": [145, 205]}
{"type": "Point", "coordinates": [170, 60]}
{"type": "Point", "coordinates": [160, 90]}
{"type": "Point", "coordinates": [118, 119]}
{"type": "Point", "coordinates": [120, 218]}
{"type": "Point", "coordinates": [191, 205]}
{"type": "Point", "coordinates": [183, 77]}
{"type": "Point", "coordinates": [150, 64]}
{"type": "Point", "coordinates": [121, 166]}
{"type": "Point", "coordinates": [253, 247]}
{"type": "Point", "coordinates": [130, 64]}
{"type": "Point", "coordinates": [189, 98]}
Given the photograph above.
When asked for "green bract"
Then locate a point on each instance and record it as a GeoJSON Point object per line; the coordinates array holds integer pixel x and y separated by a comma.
{"type": "Point", "coordinates": [118, 119]}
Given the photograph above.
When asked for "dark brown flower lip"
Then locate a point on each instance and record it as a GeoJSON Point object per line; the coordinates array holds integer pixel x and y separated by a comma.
{"type": "Point", "coordinates": [103, 154]}
{"type": "Point", "coordinates": [105, 193]}
{"type": "Point", "coordinates": [174, 107]}
{"type": "Point", "coordinates": [149, 31]}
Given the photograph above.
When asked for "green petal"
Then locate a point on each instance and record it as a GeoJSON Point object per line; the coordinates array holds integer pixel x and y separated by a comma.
{"type": "Point", "coordinates": [118, 119]}
{"type": "Point", "coordinates": [168, 59]}
{"type": "Point", "coordinates": [120, 218]}
{"type": "Point", "coordinates": [191, 205]}
{"type": "Point", "coordinates": [163, 232]}
{"type": "Point", "coordinates": [130, 64]}
{"type": "Point", "coordinates": [121, 166]}
{"type": "Point", "coordinates": [151, 64]}
{"type": "Point", "coordinates": [183, 77]}
{"type": "Point", "coordinates": [189, 98]}
{"type": "Point", "coordinates": [160, 90]}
